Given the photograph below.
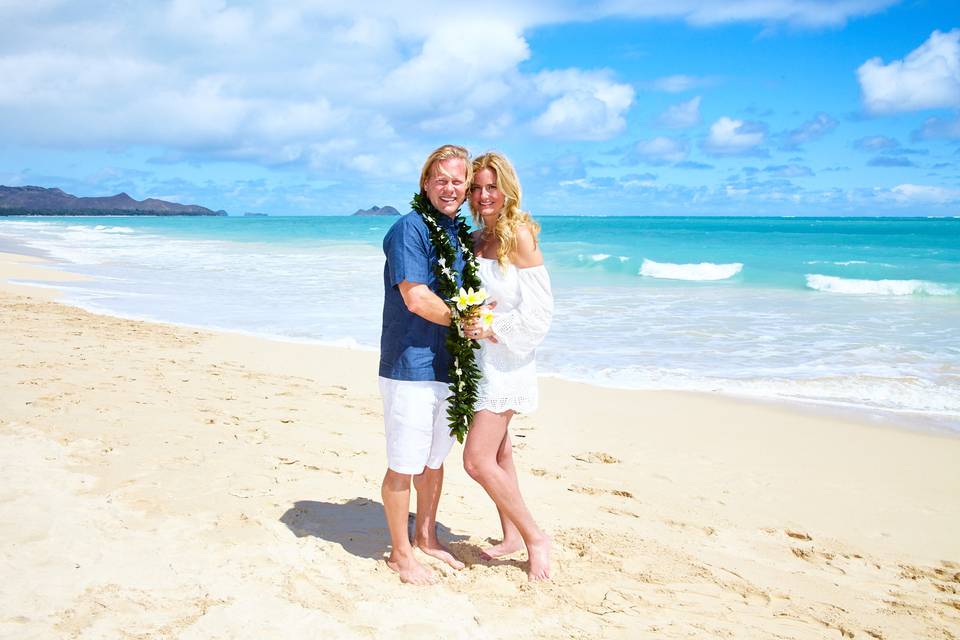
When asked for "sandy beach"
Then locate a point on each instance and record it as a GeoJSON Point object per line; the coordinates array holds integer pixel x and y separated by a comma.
{"type": "Point", "coordinates": [166, 482]}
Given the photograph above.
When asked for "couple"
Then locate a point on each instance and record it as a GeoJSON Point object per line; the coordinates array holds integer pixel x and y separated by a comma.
{"type": "Point", "coordinates": [428, 251]}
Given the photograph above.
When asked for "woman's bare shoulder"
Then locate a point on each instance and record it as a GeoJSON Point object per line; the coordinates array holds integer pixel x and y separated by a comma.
{"type": "Point", "coordinates": [527, 253]}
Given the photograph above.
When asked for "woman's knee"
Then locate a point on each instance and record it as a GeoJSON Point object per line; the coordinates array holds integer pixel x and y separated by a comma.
{"type": "Point", "coordinates": [476, 466]}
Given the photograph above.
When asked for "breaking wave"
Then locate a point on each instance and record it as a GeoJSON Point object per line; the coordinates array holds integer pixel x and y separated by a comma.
{"type": "Point", "coordinates": [704, 271]}
{"type": "Point", "coordinates": [833, 284]}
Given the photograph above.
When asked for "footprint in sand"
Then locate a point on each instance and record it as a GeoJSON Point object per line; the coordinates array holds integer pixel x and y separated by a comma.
{"type": "Point", "coordinates": [96, 604]}
{"type": "Point", "coordinates": [593, 491]}
{"type": "Point", "coordinates": [544, 472]}
{"type": "Point", "coordinates": [310, 593]}
{"type": "Point", "coordinates": [595, 457]}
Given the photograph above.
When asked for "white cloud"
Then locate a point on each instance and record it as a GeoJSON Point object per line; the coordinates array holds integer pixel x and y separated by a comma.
{"type": "Point", "coordinates": [659, 150]}
{"type": "Point", "coordinates": [449, 121]}
{"type": "Point", "coordinates": [679, 83]}
{"type": "Point", "coordinates": [211, 19]}
{"type": "Point", "coordinates": [922, 194]}
{"type": "Point", "coordinates": [789, 171]}
{"type": "Point", "coordinates": [805, 13]}
{"type": "Point", "coordinates": [584, 105]}
{"type": "Point", "coordinates": [928, 78]}
{"type": "Point", "coordinates": [813, 129]}
{"type": "Point", "coordinates": [734, 137]}
{"type": "Point", "coordinates": [336, 86]}
{"type": "Point", "coordinates": [683, 115]}
{"type": "Point", "coordinates": [269, 84]}
{"type": "Point", "coordinates": [452, 62]}
{"type": "Point", "coordinates": [582, 183]}
{"type": "Point", "coordinates": [939, 128]}
{"type": "Point", "coordinates": [876, 143]}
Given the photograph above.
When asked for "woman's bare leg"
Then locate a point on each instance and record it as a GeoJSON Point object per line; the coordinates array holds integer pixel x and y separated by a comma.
{"type": "Point", "coordinates": [511, 540]}
{"type": "Point", "coordinates": [484, 440]}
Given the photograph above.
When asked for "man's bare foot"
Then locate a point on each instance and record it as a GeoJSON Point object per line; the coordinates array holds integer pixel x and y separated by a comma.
{"type": "Point", "coordinates": [505, 548]}
{"type": "Point", "coordinates": [411, 571]}
{"type": "Point", "coordinates": [440, 552]}
{"type": "Point", "coordinates": [539, 555]}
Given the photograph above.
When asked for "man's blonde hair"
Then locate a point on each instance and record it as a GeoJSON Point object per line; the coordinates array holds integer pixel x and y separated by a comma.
{"type": "Point", "coordinates": [446, 152]}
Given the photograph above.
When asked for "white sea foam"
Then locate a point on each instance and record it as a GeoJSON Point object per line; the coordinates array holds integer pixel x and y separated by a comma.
{"type": "Point", "coordinates": [102, 228]}
{"type": "Point", "coordinates": [593, 257]}
{"type": "Point", "coordinates": [107, 229]}
{"type": "Point", "coordinates": [833, 284]}
{"type": "Point", "coordinates": [704, 271]}
{"type": "Point", "coordinates": [847, 263]}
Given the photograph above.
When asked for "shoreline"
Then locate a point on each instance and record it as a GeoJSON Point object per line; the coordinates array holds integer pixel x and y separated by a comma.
{"type": "Point", "coordinates": [172, 482]}
{"type": "Point", "coordinates": [885, 418]}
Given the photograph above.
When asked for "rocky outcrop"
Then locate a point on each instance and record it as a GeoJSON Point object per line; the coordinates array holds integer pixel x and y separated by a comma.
{"type": "Point", "coordinates": [377, 211]}
{"type": "Point", "coordinates": [19, 201]}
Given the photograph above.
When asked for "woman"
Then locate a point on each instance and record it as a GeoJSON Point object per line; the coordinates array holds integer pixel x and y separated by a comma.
{"type": "Point", "coordinates": [512, 271]}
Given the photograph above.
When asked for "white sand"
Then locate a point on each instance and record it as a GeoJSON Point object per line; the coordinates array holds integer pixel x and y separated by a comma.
{"type": "Point", "coordinates": [161, 482]}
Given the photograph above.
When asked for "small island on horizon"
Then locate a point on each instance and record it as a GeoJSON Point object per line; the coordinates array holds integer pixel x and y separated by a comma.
{"type": "Point", "coordinates": [377, 211]}
{"type": "Point", "coordinates": [41, 201]}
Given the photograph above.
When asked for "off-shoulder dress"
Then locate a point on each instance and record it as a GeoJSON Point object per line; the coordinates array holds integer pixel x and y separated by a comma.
{"type": "Point", "coordinates": [522, 318]}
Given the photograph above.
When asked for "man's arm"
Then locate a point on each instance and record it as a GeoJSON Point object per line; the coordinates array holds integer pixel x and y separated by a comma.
{"type": "Point", "coordinates": [425, 303]}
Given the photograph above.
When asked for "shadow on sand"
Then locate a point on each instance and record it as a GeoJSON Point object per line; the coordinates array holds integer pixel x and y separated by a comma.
{"type": "Point", "coordinates": [357, 525]}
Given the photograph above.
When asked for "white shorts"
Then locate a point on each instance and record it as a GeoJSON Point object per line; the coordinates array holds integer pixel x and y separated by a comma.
{"type": "Point", "coordinates": [415, 421]}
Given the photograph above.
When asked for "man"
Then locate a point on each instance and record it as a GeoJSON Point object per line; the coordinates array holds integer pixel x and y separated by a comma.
{"type": "Point", "coordinates": [414, 365]}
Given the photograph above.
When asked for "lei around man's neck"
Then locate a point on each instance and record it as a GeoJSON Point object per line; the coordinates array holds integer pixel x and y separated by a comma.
{"type": "Point", "coordinates": [422, 205]}
{"type": "Point", "coordinates": [463, 371]}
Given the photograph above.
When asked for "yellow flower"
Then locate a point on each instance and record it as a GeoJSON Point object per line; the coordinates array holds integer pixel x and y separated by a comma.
{"type": "Point", "coordinates": [462, 299]}
{"type": "Point", "coordinates": [467, 298]}
{"type": "Point", "coordinates": [476, 297]}
{"type": "Point", "coordinates": [486, 317]}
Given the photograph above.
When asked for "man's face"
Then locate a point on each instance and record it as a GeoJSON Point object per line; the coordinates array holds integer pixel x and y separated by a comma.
{"type": "Point", "coordinates": [447, 185]}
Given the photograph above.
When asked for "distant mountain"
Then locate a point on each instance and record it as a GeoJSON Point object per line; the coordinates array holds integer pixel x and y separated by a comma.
{"type": "Point", "coordinates": [377, 211]}
{"type": "Point", "coordinates": [18, 201]}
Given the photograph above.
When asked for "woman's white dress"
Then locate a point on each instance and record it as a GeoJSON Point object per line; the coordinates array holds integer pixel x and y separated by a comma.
{"type": "Point", "coordinates": [522, 318]}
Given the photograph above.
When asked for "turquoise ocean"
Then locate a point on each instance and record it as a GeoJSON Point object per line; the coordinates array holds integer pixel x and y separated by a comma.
{"type": "Point", "coordinates": [859, 313]}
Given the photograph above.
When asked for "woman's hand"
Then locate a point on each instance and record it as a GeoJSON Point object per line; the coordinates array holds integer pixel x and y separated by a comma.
{"type": "Point", "coordinates": [473, 327]}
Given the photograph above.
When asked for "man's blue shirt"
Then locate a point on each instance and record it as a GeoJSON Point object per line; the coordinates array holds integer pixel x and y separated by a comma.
{"type": "Point", "coordinates": [412, 348]}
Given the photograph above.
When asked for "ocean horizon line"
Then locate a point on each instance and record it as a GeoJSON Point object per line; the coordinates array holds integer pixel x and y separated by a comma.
{"type": "Point", "coordinates": [739, 216]}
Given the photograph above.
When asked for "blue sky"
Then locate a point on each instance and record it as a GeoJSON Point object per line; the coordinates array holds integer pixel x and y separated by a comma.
{"type": "Point", "coordinates": [787, 107]}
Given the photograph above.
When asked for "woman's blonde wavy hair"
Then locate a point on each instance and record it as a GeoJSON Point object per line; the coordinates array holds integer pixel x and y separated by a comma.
{"type": "Point", "coordinates": [511, 216]}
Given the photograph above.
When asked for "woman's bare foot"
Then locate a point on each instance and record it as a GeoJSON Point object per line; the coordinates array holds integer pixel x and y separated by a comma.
{"type": "Point", "coordinates": [411, 571]}
{"type": "Point", "coordinates": [539, 555]}
{"type": "Point", "coordinates": [440, 552]}
{"type": "Point", "coordinates": [504, 548]}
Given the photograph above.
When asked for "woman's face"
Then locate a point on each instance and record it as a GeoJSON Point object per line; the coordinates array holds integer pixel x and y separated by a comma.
{"type": "Point", "coordinates": [486, 198]}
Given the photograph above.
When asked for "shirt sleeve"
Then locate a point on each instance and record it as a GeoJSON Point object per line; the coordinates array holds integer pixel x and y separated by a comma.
{"type": "Point", "coordinates": [408, 254]}
{"type": "Point", "coordinates": [522, 329]}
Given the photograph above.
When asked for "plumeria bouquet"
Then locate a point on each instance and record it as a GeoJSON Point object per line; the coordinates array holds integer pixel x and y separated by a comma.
{"type": "Point", "coordinates": [469, 304]}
